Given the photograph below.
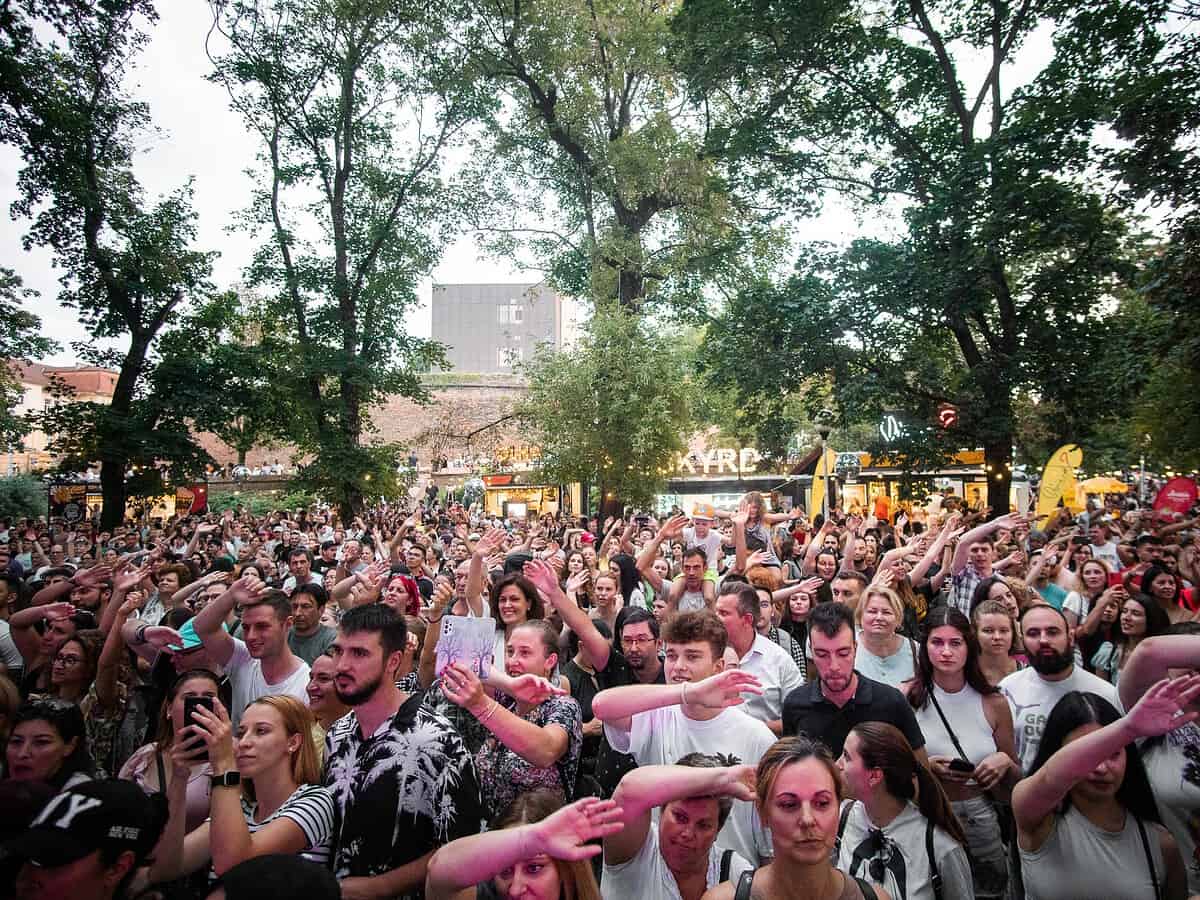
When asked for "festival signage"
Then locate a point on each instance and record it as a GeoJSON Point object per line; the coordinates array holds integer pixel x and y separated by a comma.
{"type": "Point", "coordinates": [1058, 482]}
{"type": "Point", "coordinates": [719, 460]}
{"type": "Point", "coordinates": [191, 500]}
{"type": "Point", "coordinates": [68, 502]}
{"type": "Point", "coordinates": [825, 465]}
{"type": "Point", "coordinates": [1177, 495]}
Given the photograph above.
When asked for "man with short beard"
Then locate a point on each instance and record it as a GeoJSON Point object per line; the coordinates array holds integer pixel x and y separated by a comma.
{"type": "Point", "coordinates": [1033, 692]}
{"type": "Point", "coordinates": [390, 762]}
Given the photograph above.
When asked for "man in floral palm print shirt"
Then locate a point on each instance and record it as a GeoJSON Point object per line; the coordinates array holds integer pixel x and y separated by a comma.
{"type": "Point", "coordinates": [401, 778]}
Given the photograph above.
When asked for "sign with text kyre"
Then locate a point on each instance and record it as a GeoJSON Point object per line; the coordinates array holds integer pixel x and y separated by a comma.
{"type": "Point", "coordinates": [718, 461]}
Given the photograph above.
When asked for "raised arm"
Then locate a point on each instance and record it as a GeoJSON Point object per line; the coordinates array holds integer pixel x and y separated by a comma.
{"type": "Point", "coordinates": [109, 664]}
{"type": "Point", "coordinates": [484, 547]}
{"type": "Point", "coordinates": [978, 533]}
{"type": "Point", "coordinates": [539, 745]}
{"type": "Point", "coordinates": [645, 788]}
{"type": "Point", "coordinates": [22, 627]}
{"type": "Point", "coordinates": [209, 621]}
{"type": "Point", "coordinates": [1035, 799]}
{"type": "Point", "coordinates": [947, 533]}
{"type": "Point", "coordinates": [672, 529]}
{"type": "Point", "coordinates": [617, 706]}
{"type": "Point", "coordinates": [739, 520]}
{"type": "Point", "coordinates": [459, 866]}
{"type": "Point", "coordinates": [598, 647]}
{"type": "Point", "coordinates": [1152, 660]}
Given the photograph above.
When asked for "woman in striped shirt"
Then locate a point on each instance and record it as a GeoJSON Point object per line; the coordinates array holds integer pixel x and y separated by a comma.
{"type": "Point", "coordinates": [280, 807]}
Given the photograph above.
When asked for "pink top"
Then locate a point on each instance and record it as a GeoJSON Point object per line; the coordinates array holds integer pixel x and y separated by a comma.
{"type": "Point", "coordinates": [142, 770]}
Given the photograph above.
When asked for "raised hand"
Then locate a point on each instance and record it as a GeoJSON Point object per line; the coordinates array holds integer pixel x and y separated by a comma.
{"type": "Point", "coordinates": [245, 590]}
{"type": "Point", "coordinates": [1162, 708]}
{"type": "Point", "coordinates": [566, 833]}
{"type": "Point", "coordinates": [742, 516]}
{"type": "Point", "coordinates": [740, 782]}
{"type": "Point", "coordinates": [756, 558]}
{"type": "Point", "coordinates": [462, 687]}
{"type": "Point", "coordinates": [722, 690]}
{"type": "Point", "coordinates": [532, 689]}
{"type": "Point", "coordinates": [673, 528]}
{"type": "Point", "coordinates": [160, 637]}
{"type": "Point", "coordinates": [811, 585]}
{"type": "Point", "coordinates": [490, 542]}
{"type": "Point", "coordinates": [577, 582]}
{"type": "Point", "coordinates": [93, 576]}
{"type": "Point", "coordinates": [61, 610]}
{"type": "Point", "coordinates": [541, 573]}
{"type": "Point", "coordinates": [132, 603]}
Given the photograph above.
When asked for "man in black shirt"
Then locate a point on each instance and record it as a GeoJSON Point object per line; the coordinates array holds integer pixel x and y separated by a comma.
{"type": "Point", "coordinates": [827, 708]}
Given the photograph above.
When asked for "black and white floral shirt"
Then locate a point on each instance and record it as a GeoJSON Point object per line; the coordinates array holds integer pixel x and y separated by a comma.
{"type": "Point", "coordinates": [402, 792]}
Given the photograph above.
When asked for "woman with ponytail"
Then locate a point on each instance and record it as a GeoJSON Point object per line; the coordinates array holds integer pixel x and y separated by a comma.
{"type": "Point", "coordinates": [899, 830]}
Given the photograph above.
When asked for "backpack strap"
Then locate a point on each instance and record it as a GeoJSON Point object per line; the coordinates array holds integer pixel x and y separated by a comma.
{"type": "Point", "coordinates": [837, 844]}
{"type": "Point", "coordinates": [935, 877]}
{"type": "Point", "coordinates": [726, 863]}
{"type": "Point", "coordinates": [162, 772]}
{"type": "Point", "coordinates": [1149, 856]}
{"type": "Point", "coordinates": [744, 884]}
{"type": "Point", "coordinates": [866, 889]}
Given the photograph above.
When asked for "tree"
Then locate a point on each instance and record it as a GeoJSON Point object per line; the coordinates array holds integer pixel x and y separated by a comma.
{"type": "Point", "coordinates": [22, 497]}
{"type": "Point", "coordinates": [613, 411]}
{"type": "Point", "coordinates": [20, 341]}
{"type": "Point", "coordinates": [601, 147]}
{"type": "Point", "coordinates": [1007, 253]}
{"type": "Point", "coordinates": [356, 106]}
{"type": "Point", "coordinates": [127, 264]}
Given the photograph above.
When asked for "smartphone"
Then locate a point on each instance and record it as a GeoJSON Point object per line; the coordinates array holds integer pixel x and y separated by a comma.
{"type": "Point", "coordinates": [190, 705]}
{"type": "Point", "coordinates": [1115, 579]}
{"type": "Point", "coordinates": [960, 765]}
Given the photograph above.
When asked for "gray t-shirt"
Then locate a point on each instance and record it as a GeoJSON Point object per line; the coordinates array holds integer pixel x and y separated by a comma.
{"type": "Point", "coordinates": [310, 647]}
{"type": "Point", "coordinates": [1079, 861]}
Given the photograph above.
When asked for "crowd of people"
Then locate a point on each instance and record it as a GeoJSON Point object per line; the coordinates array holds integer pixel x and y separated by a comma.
{"type": "Point", "coordinates": [718, 704]}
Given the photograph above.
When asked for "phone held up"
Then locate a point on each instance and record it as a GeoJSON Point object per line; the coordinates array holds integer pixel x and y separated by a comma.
{"type": "Point", "coordinates": [190, 705]}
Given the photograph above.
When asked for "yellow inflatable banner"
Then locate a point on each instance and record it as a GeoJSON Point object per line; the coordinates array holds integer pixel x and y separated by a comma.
{"type": "Point", "coordinates": [1058, 482]}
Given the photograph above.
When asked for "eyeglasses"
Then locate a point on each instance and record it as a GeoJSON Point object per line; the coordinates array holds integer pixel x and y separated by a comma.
{"type": "Point", "coordinates": [637, 641]}
{"type": "Point", "coordinates": [68, 660]}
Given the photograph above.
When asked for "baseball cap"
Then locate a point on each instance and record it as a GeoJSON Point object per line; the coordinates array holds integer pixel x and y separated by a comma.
{"type": "Point", "coordinates": [587, 537]}
{"type": "Point", "coordinates": [704, 511]}
{"type": "Point", "coordinates": [108, 814]}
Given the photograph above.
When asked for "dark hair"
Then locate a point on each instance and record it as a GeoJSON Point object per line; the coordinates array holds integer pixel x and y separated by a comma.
{"type": "Point", "coordinates": [573, 638]}
{"type": "Point", "coordinates": [526, 587]}
{"type": "Point", "coordinates": [830, 618]}
{"type": "Point", "coordinates": [279, 602]}
{"type": "Point", "coordinates": [631, 578]}
{"type": "Point", "coordinates": [747, 598]}
{"type": "Point", "coordinates": [633, 615]}
{"type": "Point", "coordinates": [851, 575]}
{"type": "Point", "coordinates": [699, 626]}
{"type": "Point", "coordinates": [696, 551]}
{"type": "Point", "coordinates": [300, 551]}
{"type": "Point", "coordinates": [67, 719]}
{"type": "Point", "coordinates": [319, 595]}
{"type": "Point", "coordinates": [1152, 572]}
{"type": "Point", "coordinates": [980, 595]}
{"type": "Point", "coordinates": [1157, 620]}
{"type": "Point", "coordinates": [277, 875]}
{"type": "Point", "coordinates": [166, 732]}
{"type": "Point", "coordinates": [375, 618]}
{"type": "Point", "coordinates": [1079, 708]}
{"type": "Point", "coordinates": [922, 684]}
{"type": "Point", "coordinates": [828, 552]}
{"type": "Point", "coordinates": [885, 747]}
{"type": "Point", "coordinates": [711, 761]}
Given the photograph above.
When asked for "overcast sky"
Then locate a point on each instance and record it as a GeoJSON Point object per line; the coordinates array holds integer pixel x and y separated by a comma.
{"type": "Point", "coordinates": [203, 139]}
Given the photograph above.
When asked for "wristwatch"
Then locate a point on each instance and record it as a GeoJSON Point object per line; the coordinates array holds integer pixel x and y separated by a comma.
{"type": "Point", "coordinates": [229, 779]}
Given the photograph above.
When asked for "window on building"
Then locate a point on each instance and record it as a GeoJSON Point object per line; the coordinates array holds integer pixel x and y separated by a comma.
{"type": "Point", "coordinates": [510, 313]}
{"type": "Point", "coordinates": [507, 357]}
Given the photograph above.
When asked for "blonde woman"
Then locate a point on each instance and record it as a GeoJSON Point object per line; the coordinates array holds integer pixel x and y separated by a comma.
{"type": "Point", "coordinates": [266, 796]}
{"type": "Point", "coordinates": [883, 653]}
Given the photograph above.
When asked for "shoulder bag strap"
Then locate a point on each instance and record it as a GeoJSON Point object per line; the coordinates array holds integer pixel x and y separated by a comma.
{"type": "Point", "coordinates": [162, 771]}
{"type": "Point", "coordinates": [946, 722]}
{"type": "Point", "coordinates": [935, 877]}
{"type": "Point", "coordinates": [1149, 856]}
{"type": "Point", "coordinates": [726, 862]}
{"type": "Point", "coordinates": [867, 889]}
{"type": "Point", "coordinates": [743, 886]}
{"type": "Point", "coordinates": [837, 844]}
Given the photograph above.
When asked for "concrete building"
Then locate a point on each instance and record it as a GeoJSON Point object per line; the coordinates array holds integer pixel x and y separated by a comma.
{"type": "Point", "coordinates": [493, 328]}
{"type": "Point", "coordinates": [90, 384]}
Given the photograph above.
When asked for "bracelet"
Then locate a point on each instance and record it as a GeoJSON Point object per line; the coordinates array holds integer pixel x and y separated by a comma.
{"type": "Point", "coordinates": [491, 711]}
{"type": "Point", "coordinates": [683, 693]}
{"type": "Point", "coordinates": [139, 636]}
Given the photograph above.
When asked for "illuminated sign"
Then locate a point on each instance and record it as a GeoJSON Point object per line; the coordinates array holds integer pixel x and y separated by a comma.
{"type": "Point", "coordinates": [890, 428]}
{"type": "Point", "coordinates": [720, 460]}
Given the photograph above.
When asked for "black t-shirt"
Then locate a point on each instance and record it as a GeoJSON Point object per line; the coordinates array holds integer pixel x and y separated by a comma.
{"type": "Point", "coordinates": [611, 766]}
{"type": "Point", "coordinates": [807, 711]}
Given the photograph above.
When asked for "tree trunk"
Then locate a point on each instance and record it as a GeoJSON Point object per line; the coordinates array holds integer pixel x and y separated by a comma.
{"type": "Point", "coordinates": [997, 458]}
{"type": "Point", "coordinates": [114, 446]}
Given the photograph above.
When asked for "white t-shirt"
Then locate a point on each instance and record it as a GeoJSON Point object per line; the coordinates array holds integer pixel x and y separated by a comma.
{"type": "Point", "coordinates": [648, 877]}
{"type": "Point", "coordinates": [710, 544]}
{"type": "Point", "coordinates": [661, 737]}
{"type": "Point", "coordinates": [9, 654]}
{"type": "Point", "coordinates": [246, 677]}
{"type": "Point", "coordinates": [778, 674]}
{"type": "Point", "coordinates": [905, 856]}
{"type": "Point", "coordinates": [1175, 779]}
{"type": "Point", "coordinates": [1032, 698]}
{"type": "Point", "coordinates": [1108, 553]}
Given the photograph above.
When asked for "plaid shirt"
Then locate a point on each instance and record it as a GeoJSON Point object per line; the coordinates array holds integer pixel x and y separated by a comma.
{"type": "Point", "coordinates": [962, 589]}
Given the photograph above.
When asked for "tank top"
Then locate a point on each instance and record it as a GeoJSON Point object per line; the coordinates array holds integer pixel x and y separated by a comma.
{"type": "Point", "coordinates": [1079, 861]}
{"type": "Point", "coordinates": [964, 711]}
{"type": "Point", "coordinates": [852, 888]}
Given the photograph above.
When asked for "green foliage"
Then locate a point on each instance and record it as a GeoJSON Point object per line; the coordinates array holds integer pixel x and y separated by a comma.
{"type": "Point", "coordinates": [20, 341]}
{"type": "Point", "coordinates": [1002, 273]}
{"type": "Point", "coordinates": [357, 106]}
{"type": "Point", "coordinates": [127, 263]}
{"type": "Point", "coordinates": [261, 503]}
{"type": "Point", "coordinates": [600, 167]}
{"type": "Point", "coordinates": [22, 496]}
{"type": "Point", "coordinates": [614, 410]}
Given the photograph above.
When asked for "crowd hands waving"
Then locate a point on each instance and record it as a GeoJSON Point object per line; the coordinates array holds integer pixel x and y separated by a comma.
{"type": "Point", "coordinates": [923, 702]}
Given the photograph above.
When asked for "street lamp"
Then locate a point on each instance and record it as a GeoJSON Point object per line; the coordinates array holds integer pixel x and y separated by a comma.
{"type": "Point", "coordinates": [824, 424]}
